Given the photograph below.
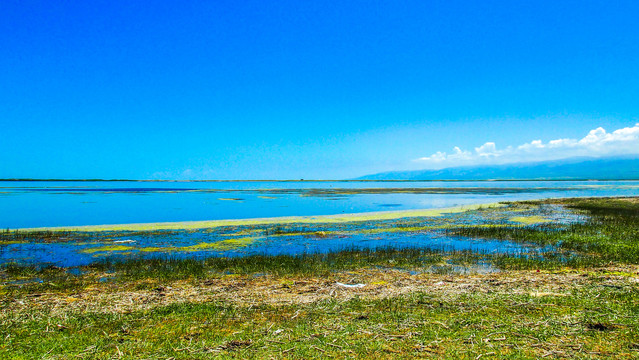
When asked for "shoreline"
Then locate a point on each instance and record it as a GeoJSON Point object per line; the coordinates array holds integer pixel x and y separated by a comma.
{"type": "Point", "coordinates": [307, 219]}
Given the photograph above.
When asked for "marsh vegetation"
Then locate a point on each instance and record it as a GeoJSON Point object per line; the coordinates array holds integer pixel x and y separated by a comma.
{"type": "Point", "coordinates": [571, 289]}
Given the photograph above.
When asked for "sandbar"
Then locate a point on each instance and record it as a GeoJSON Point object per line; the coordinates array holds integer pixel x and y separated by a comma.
{"type": "Point", "coordinates": [318, 219]}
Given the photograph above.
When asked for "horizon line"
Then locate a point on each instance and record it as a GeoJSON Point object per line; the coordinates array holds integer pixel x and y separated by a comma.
{"type": "Point", "coordinates": [315, 180]}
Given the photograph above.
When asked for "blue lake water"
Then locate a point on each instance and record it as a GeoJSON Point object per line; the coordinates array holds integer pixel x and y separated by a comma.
{"type": "Point", "coordinates": [83, 248]}
{"type": "Point", "coordinates": [71, 203]}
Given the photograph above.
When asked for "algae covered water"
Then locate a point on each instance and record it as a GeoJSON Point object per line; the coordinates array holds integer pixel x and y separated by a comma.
{"type": "Point", "coordinates": [25, 204]}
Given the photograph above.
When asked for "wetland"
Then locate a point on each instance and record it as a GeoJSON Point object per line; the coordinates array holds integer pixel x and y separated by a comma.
{"type": "Point", "coordinates": [568, 289]}
{"type": "Point", "coordinates": [533, 278]}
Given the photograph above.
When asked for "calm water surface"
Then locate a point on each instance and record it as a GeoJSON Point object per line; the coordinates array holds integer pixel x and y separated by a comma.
{"type": "Point", "coordinates": [70, 203]}
{"type": "Point", "coordinates": [84, 248]}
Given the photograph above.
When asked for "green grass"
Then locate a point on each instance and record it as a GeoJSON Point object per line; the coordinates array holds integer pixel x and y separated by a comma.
{"type": "Point", "coordinates": [589, 322]}
{"type": "Point", "coordinates": [9, 236]}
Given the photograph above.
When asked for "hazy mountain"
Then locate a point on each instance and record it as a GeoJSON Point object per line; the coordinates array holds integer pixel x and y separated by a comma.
{"type": "Point", "coordinates": [621, 168]}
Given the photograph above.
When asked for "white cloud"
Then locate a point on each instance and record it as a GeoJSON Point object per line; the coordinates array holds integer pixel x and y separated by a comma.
{"type": "Point", "coordinates": [457, 155]}
{"type": "Point", "coordinates": [596, 143]}
{"type": "Point", "coordinates": [487, 150]}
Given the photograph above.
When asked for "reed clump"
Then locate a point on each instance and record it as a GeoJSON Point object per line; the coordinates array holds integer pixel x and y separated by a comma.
{"type": "Point", "coordinates": [610, 233]}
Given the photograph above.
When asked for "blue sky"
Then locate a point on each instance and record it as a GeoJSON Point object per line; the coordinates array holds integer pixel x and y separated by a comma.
{"type": "Point", "coordinates": [301, 89]}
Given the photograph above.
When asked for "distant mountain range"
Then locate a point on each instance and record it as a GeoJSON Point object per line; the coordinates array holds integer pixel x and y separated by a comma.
{"type": "Point", "coordinates": [612, 168]}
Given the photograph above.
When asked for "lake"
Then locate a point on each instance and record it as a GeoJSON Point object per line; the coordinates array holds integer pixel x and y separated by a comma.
{"type": "Point", "coordinates": [26, 204]}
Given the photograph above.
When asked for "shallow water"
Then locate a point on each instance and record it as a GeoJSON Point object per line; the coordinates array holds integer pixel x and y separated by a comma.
{"type": "Point", "coordinates": [58, 203]}
{"type": "Point", "coordinates": [81, 248]}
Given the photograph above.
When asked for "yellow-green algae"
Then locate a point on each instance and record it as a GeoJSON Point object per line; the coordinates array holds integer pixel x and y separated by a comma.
{"type": "Point", "coordinates": [107, 253]}
{"type": "Point", "coordinates": [223, 245]}
{"type": "Point", "coordinates": [342, 218]}
{"type": "Point", "coordinates": [13, 242]}
{"type": "Point", "coordinates": [229, 244]}
{"type": "Point", "coordinates": [108, 248]}
{"type": "Point", "coordinates": [529, 220]}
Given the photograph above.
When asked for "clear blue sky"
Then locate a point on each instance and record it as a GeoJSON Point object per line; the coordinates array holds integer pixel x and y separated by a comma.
{"type": "Point", "coordinates": [302, 89]}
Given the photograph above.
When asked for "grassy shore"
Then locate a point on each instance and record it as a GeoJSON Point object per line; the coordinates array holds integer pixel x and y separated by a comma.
{"type": "Point", "coordinates": [579, 299]}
